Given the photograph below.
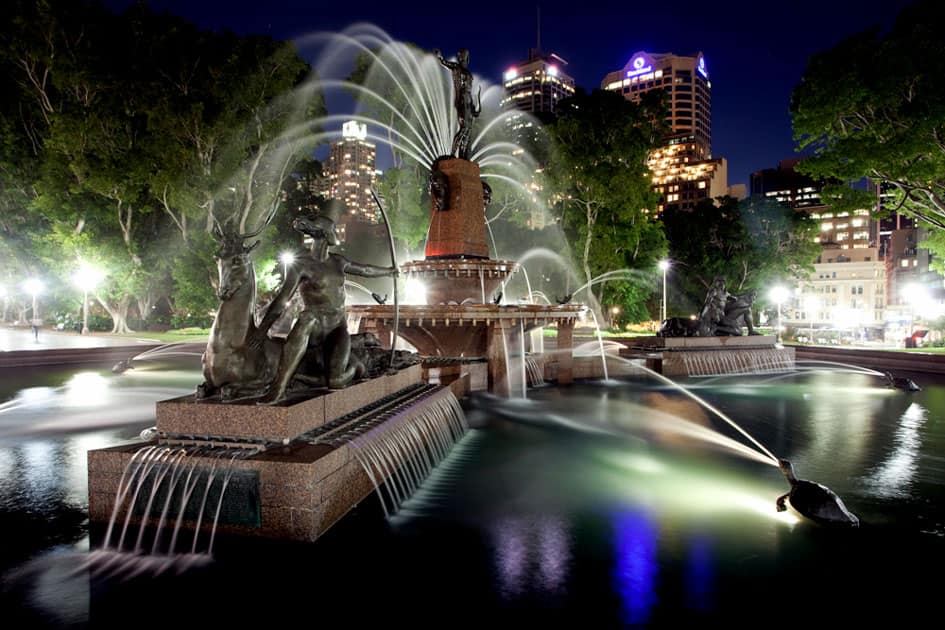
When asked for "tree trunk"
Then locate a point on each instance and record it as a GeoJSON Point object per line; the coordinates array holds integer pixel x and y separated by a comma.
{"type": "Point", "coordinates": [118, 313]}
{"type": "Point", "coordinates": [145, 303]}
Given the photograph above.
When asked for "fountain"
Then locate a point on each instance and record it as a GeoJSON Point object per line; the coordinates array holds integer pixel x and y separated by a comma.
{"type": "Point", "coordinates": [304, 457]}
{"type": "Point", "coordinates": [619, 512]}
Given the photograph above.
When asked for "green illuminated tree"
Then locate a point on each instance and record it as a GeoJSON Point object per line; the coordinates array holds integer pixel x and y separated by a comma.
{"type": "Point", "coordinates": [874, 106]}
{"type": "Point", "coordinates": [599, 186]}
{"type": "Point", "coordinates": [752, 244]}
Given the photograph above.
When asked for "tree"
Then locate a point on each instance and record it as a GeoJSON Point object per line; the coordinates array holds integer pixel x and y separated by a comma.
{"type": "Point", "coordinates": [874, 106]}
{"type": "Point", "coordinates": [121, 132]}
{"type": "Point", "coordinates": [600, 186]}
{"type": "Point", "coordinates": [752, 244]}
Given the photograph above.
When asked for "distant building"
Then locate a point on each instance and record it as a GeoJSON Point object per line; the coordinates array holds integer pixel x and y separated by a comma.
{"type": "Point", "coordinates": [537, 84]}
{"type": "Point", "coordinates": [684, 171]}
{"type": "Point", "coordinates": [786, 185]}
{"type": "Point", "coordinates": [352, 172]}
{"type": "Point", "coordinates": [844, 299]}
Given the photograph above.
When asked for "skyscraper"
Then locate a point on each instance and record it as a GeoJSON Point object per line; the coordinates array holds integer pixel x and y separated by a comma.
{"type": "Point", "coordinates": [537, 84]}
{"type": "Point", "coordinates": [683, 169]}
{"type": "Point", "coordinates": [351, 172]}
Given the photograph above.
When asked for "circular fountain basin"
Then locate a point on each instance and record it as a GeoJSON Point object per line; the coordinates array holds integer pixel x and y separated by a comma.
{"type": "Point", "coordinates": [453, 330]}
{"type": "Point", "coordinates": [459, 280]}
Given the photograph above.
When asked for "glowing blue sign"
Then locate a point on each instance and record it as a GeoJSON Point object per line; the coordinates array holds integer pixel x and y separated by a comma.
{"type": "Point", "coordinates": [700, 66]}
{"type": "Point", "coordinates": [640, 64]}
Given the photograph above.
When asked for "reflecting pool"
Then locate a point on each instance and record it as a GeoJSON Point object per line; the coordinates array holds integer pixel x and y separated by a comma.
{"type": "Point", "coordinates": [605, 505]}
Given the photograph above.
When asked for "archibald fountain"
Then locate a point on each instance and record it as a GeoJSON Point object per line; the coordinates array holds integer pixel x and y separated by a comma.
{"type": "Point", "coordinates": [285, 436]}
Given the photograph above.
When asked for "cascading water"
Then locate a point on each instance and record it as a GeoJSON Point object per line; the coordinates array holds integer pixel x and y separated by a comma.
{"type": "Point", "coordinates": [397, 450]}
{"type": "Point", "coordinates": [158, 486]}
{"type": "Point", "coordinates": [536, 373]}
{"type": "Point", "coordinates": [745, 361]}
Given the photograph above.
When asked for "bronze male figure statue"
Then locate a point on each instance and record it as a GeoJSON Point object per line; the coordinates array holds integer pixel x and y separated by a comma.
{"type": "Point", "coordinates": [466, 108]}
{"type": "Point", "coordinates": [319, 276]}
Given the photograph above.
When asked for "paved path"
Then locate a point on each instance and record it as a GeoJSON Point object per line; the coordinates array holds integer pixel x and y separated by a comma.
{"type": "Point", "coordinates": [22, 339]}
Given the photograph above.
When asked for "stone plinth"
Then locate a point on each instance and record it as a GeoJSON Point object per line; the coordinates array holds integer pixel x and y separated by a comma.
{"type": "Point", "coordinates": [460, 230]}
{"type": "Point", "coordinates": [281, 423]}
{"type": "Point", "coordinates": [708, 356]}
{"type": "Point", "coordinates": [298, 490]}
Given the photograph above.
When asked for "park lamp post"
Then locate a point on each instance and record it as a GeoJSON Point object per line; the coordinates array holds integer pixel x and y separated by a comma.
{"type": "Point", "coordinates": [614, 311]}
{"type": "Point", "coordinates": [779, 294]}
{"type": "Point", "coordinates": [86, 278]}
{"type": "Point", "coordinates": [810, 305]}
{"type": "Point", "coordinates": [914, 294]}
{"type": "Point", "coordinates": [663, 265]}
{"type": "Point", "coordinates": [33, 286]}
{"type": "Point", "coordinates": [286, 258]}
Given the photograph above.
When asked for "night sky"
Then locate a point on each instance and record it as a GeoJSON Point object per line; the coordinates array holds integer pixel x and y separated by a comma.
{"type": "Point", "coordinates": [755, 52]}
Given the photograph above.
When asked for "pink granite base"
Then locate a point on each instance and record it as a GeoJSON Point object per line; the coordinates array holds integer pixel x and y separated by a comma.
{"type": "Point", "coordinates": [303, 488]}
{"type": "Point", "coordinates": [185, 416]}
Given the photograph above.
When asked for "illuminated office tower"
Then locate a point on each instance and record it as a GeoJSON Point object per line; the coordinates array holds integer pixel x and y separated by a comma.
{"type": "Point", "coordinates": [537, 84]}
{"type": "Point", "coordinates": [683, 169]}
{"type": "Point", "coordinates": [351, 172]}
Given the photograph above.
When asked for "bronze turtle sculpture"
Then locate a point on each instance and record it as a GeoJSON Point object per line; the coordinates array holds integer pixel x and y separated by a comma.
{"type": "Point", "coordinates": [901, 382]}
{"type": "Point", "coordinates": [814, 501]}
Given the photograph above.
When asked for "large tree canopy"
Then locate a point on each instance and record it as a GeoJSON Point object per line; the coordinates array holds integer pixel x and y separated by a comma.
{"type": "Point", "coordinates": [122, 133]}
{"type": "Point", "coordinates": [600, 186]}
{"type": "Point", "coordinates": [752, 244]}
{"type": "Point", "coordinates": [874, 106]}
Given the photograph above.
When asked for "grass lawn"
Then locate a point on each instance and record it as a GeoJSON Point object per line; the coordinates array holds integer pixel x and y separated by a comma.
{"type": "Point", "coordinates": [184, 334]}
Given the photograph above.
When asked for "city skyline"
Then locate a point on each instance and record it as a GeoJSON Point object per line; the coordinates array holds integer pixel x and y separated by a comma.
{"type": "Point", "coordinates": [755, 53]}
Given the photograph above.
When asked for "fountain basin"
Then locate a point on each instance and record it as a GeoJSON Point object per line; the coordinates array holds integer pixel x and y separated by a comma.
{"type": "Point", "coordinates": [474, 330]}
{"type": "Point", "coordinates": [456, 280]}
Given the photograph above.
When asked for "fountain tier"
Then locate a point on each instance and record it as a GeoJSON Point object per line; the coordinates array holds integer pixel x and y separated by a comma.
{"type": "Point", "coordinates": [474, 330]}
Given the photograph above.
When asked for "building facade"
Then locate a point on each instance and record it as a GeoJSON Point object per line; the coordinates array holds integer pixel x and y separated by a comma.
{"type": "Point", "coordinates": [537, 84]}
{"type": "Point", "coordinates": [352, 172]}
{"type": "Point", "coordinates": [786, 185]}
{"type": "Point", "coordinates": [684, 171]}
{"type": "Point", "coordinates": [844, 299]}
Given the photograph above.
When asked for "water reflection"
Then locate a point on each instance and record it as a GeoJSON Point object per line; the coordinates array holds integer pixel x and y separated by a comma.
{"type": "Point", "coordinates": [700, 573]}
{"type": "Point", "coordinates": [531, 554]}
{"type": "Point", "coordinates": [893, 477]}
{"type": "Point", "coordinates": [635, 537]}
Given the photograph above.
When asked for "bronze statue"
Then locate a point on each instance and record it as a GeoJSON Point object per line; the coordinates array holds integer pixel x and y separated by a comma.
{"type": "Point", "coordinates": [319, 277]}
{"type": "Point", "coordinates": [231, 369]}
{"type": "Point", "coordinates": [722, 315]}
{"type": "Point", "coordinates": [439, 186]}
{"type": "Point", "coordinates": [466, 108]}
{"type": "Point", "coordinates": [737, 311]}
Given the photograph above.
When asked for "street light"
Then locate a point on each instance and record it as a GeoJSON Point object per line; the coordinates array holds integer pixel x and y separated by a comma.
{"type": "Point", "coordinates": [810, 305]}
{"type": "Point", "coordinates": [614, 311]}
{"type": "Point", "coordinates": [779, 294]}
{"type": "Point", "coordinates": [663, 265]}
{"type": "Point", "coordinates": [33, 286]}
{"type": "Point", "coordinates": [914, 294]}
{"type": "Point", "coordinates": [86, 278]}
{"type": "Point", "coordinates": [286, 258]}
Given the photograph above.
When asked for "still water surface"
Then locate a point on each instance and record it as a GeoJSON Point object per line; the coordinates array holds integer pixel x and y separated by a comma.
{"type": "Point", "coordinates": [595, 505]}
